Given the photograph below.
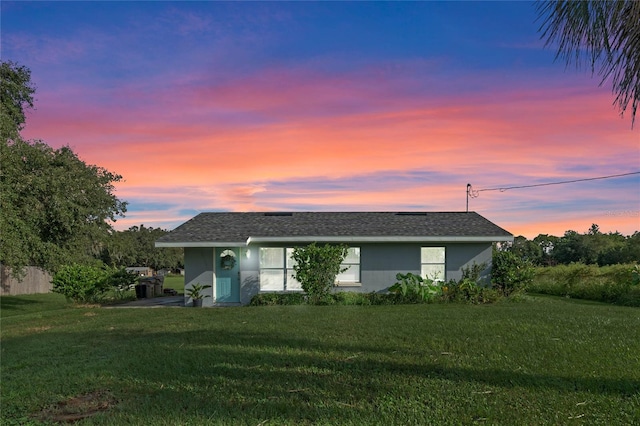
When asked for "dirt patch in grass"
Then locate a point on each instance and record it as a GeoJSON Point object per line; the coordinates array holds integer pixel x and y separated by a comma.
{"type": "Point", "coordinates": [87, 305]}
{"type": "Point", "coordinates": [38, 329]}
{"type": "Point", "coordinates": [78, 407]}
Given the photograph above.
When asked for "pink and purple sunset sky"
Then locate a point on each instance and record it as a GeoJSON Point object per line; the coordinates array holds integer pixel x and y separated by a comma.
{"type": "Point", "coordinates": [336, 106]}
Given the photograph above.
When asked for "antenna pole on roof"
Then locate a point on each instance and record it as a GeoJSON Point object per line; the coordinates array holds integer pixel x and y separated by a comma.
{"type": "Point", "coordinates": [468, 190]}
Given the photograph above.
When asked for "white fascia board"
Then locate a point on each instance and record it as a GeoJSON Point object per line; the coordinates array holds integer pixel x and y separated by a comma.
{"type": "Point", "coordinates": [387, 239]}
{"type": "Point", "coordinates": [344, 239]}
{"type": "Point", "coordinates": [201, 244]}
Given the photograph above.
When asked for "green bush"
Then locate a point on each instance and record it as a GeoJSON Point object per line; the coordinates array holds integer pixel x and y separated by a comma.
{"type": "Point", "coordinates": [474, 272]}
{"type": "Point", "coordinates": [121, 281]}
{"type": "Point", "coordinates": [81, 283]}
{"type": "Point", "coordinates": [611, 284]}
{"type": "Point", "coordinates": [374, 298]}
{"type": "Point", "coordinates": [468, 290]}
{"type": "Point", "coordinates": [339, 298]}
{"type": "Point", "coordinates": [316, 268]}
{"type": "Point", "coordinates": [272, 299]}
{"type": "Point", "coordinates": [360, 299]}
{"type": "Point", "coordinates": [415, 289]}
{"type": "Point", "coordinates": [510, 273]}
{"type": "Point", "coordinates": [380, 298]}
{"type": "Point", "coordinates": [630, 298]}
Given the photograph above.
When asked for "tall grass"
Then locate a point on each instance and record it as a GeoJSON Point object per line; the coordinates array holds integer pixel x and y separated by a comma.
{"type": "Point", "coordinates": [611, 284]}
{"type": "Point", "coordinates": [175, 282]}
{"type": "Point", "coordinates": [541, 361]}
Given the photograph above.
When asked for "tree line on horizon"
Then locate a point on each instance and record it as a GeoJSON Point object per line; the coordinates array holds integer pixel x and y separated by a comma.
{"type": "Point", "coordinates": [592, 248]}
{"type": "Point", "coordinates": [136, 247]}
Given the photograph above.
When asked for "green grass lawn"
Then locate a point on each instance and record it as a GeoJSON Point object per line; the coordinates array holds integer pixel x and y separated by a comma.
{"type": "Point", "coordinates": [541, 361]}
{"type": "Point", "coordinates": [175, 282]}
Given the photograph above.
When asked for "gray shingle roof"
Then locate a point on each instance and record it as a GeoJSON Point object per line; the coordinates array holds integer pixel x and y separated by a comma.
{"type": "Point", "coordinates": [210, 229]}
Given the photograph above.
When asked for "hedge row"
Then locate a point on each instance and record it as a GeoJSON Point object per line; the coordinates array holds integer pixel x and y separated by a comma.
{"type": "Point", "coordinates": [340, 298]}
{"type": "Point", "coordinates": [451, 293]}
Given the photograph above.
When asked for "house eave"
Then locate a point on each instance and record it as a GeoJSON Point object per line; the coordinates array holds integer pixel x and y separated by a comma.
{"type": "Point", "coordinates": [379, 239]}
{"type": "Point", "coordinates": [340, 239]}
{"type": "Point", "coordinates": [200, 244]}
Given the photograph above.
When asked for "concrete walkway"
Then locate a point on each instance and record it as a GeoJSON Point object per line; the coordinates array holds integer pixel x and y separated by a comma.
{"type": "Point", "coordinates": [153, 302]}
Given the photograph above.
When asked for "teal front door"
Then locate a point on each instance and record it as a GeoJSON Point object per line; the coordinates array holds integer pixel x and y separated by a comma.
{"type": "Point", "coordinates": [227, 275]}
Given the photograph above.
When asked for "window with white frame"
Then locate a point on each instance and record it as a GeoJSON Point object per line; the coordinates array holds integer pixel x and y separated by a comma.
{"type": "Point", "coordinates": [291, 283]}
{"type": "Point", "coordinates": [277, 273]}
{"type": "Point", "coordinates": [276, 270]}
{"type": "Point", "coordinates": [352, 265]}
{"type": "Point", "coordinates": [432, 263]}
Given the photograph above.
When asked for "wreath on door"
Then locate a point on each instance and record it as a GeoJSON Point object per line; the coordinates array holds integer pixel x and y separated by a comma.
{"type": "Point", "coordinates": [227, 259]}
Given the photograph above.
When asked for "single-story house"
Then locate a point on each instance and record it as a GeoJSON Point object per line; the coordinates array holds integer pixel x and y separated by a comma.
{"type": "Point", "coordinates": [242, 254]}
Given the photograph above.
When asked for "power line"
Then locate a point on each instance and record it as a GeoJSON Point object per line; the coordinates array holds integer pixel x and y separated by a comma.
{"type": "Point", "coordinates": [475, 193]}
{"type": "Point", "coordinates": [502, 189]}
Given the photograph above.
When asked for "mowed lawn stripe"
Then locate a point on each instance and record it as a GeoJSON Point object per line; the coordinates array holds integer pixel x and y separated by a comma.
{"type": "Point", "coordinates": [540, 361]}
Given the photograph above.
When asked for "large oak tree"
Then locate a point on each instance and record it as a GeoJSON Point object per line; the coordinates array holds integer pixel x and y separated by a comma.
{"type": "Point", "coordinates": [16, 93]}
{"type": "Point", "coordinates": [54, 208]}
